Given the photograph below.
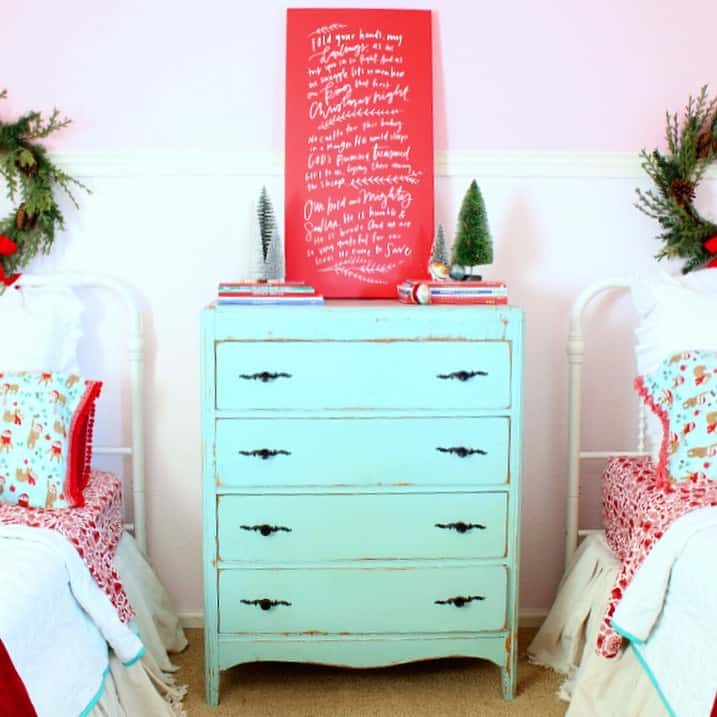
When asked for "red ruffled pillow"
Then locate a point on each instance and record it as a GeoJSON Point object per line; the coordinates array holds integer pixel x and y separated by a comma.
{"type": "Point", "coordinates": [46, 425]}
{"type": "Point", "coordinates": [682, 393]}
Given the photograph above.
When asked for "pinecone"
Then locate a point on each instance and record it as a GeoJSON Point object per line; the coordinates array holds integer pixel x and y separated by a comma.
{"type": "Point", "coordinates": [29, 170]}
{"type": "Point", "coordinates": [24, 220]}
{"type": "Point", "coordinates": [706, 144]}
{"type": "Point", "coordinates": [682, 191]}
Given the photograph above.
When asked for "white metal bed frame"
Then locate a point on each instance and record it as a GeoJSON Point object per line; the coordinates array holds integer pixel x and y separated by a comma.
{"type": "Point", "coordinates": [135, 449]}
{"type": "Point", "coordinates": [575, 347]}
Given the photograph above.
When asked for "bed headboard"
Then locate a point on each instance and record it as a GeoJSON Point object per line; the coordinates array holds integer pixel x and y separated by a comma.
{"type": "Point", "coordinates": [135, 344]}
{"type": "Point", "coordinates": [576, 346]}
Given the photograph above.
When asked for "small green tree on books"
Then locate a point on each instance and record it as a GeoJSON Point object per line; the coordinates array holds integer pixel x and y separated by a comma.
{"type": "Point", "coordinates": [473, 244]}
{"type": "Point", "coordinates": [270, 260]}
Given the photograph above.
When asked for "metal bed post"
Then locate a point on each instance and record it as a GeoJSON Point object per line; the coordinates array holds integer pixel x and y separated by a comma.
{"type": "Point", "coordinates": [136, 376]}
{"type": "Point", "coordinates": [575, 350]}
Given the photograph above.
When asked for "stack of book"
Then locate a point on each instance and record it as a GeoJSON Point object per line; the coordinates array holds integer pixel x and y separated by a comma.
{"type": "Point", "coordinates": [257, 293]}
{"type": "Point", "coordinates": [425, 291]}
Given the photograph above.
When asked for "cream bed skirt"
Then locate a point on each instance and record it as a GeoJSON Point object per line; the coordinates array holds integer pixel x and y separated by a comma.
{"type": "Point", "coordinates": [147, 687]}
{"type": "Point", "coordinates": [595, 686]}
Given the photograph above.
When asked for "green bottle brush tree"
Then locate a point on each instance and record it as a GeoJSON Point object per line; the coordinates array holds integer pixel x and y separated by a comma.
{"type": "Point", "coordinates": [473, 244]}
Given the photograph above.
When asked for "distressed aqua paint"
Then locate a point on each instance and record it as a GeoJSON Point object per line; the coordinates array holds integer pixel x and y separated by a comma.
{"type": "Point", "coordinates": [361, 484]}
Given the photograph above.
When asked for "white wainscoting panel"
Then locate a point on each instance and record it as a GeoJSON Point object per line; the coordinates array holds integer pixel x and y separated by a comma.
{"type": "Point", "coordinates": [174, 223]}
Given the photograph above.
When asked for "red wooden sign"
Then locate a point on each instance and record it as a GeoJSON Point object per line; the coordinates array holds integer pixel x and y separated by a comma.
{"type": "Point", "coordinates": [359, 149]}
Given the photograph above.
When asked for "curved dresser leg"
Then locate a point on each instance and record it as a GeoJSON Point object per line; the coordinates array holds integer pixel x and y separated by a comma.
{"type": "Point", "coordinates": [211, 685]}
{"type": "Point", "coordinates": [507, 680]}
{"type": "Point", "coordinates": [509, 671]}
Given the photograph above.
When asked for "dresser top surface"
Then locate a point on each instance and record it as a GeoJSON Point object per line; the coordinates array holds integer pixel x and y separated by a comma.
{"type": "Point", "coordinates": [364, 305]}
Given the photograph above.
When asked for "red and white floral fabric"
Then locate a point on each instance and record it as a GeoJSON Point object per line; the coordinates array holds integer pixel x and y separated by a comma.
{"type": "Point", "coordinates": [636, 512]}
{"type": "Point", "coordinates": [94, 530]}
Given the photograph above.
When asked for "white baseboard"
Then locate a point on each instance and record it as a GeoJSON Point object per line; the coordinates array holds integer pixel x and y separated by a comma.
{"type": "Point", "coordinates": [530, 617]}
{"type": "Point", "coordinates": [192, 619]}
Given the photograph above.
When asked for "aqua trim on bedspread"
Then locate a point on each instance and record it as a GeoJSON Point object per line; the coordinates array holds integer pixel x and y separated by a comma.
{"type": "Point", "coordinates": [136, 658]}
{"type": "Point", "coordinates": [651, 676]}
{"type": "Point", "coordinates": [620, 631]}
{"type": "Point", "coordinates": [98, 695]}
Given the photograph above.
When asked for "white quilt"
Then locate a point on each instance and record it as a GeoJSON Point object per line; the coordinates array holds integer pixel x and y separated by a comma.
{"type": "Point", "coordinates": [668, 612]}
{"type": "Point", "coordinates": [56, 623]}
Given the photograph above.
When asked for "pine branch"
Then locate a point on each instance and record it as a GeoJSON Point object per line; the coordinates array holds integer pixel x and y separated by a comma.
{"type": "Point", "coordinates": [38, 130]}
{"type": "Point", "coordinates": [672, 132]}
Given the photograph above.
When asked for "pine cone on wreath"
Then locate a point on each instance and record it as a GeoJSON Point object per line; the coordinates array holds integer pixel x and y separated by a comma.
{"type": "Point", "coordinates": [24, 221]}
{"type": "Point", "coordinates": [682, 191]}
{"type": "Point", "coordinates": [29, 170]}
{"type": "Point", "coordinates": [707, 140]}
{"type": "Point", "coordinates": [704, 144]}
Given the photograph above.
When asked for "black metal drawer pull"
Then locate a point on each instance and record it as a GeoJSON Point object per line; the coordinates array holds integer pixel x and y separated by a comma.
{"type": "Point", "coordinates": [462, 375]}
{"type": "Point", "coordinates": [265, 529]}
{"type": "Point", "coordinates": [459, 600]}
{"type": "Point", "coordinates": [265, 603]}
{"type": "Point", "coordinates": [462, 451]}
{"type": "Point", "coordinates": [460, 527]}
{"type": "Point", "coordinates": [266, 453]}
{"type": "Point", "coordinates": [264, 376]}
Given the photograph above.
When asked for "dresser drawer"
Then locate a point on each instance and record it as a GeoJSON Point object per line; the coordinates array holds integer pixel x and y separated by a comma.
{"type": "Point", "coordinates": [362, 374]}
{"type": "Point", "coordinates": [281, 528]}
{"type": "Point", "coordinates": [361, 451]}
{"type": "Point", "coordinates": [370, 600]}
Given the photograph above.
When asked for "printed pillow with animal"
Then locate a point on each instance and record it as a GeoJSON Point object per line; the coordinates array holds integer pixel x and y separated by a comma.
{"type": "Point", "coordinates": [46, 421]}
{"type": "Point", "coordinates": [682, 392]}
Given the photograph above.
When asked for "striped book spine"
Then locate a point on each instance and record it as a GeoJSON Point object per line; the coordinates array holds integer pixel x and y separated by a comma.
{"type": "Point", "coordinates": [270, 300]}
{"type": "Point", "coordinates": [454, 292]}
{"type": "Point", "coordinates": [266, 289]}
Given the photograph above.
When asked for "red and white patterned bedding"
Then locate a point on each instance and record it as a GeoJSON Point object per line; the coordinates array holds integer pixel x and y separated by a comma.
{"type": "Point", "coordinates": [94, 530]}
{"type": "Point", "coordinates": [636, 513]}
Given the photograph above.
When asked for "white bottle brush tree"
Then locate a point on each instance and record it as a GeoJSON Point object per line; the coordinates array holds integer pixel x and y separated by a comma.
{"type": "Point", "coordinates": [270, 260]}
{"type": "Point", "coordinates": [439, 253]}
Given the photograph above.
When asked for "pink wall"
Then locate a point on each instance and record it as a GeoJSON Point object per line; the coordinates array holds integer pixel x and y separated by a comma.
{"type": "Point", "coordinates": [518, 75]}
{"type": "Point", "coordinates": [559, 75]}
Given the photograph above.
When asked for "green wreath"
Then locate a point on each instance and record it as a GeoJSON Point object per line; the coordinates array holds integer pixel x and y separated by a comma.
{"type": "Point", "coordinates": [692, 148]}
{"type": "Point", "coordinates": [31, 177]}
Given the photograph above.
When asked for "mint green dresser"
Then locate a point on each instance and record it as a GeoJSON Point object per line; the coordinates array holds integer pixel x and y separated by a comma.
{"type": "Point", "coordinates": [361, 481]}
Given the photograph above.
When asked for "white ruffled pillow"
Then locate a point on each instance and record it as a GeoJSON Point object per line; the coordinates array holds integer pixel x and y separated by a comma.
{"type": "Point", "coordinates": [677, 313]}
{"type": "Point", "coordinates": [39, 329]}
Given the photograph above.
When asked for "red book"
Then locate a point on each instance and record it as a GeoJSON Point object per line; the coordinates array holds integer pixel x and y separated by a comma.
{"type": "Point", "coordinates": [254, 282]}
{"type": "Point", "coordinates": [467, 285]}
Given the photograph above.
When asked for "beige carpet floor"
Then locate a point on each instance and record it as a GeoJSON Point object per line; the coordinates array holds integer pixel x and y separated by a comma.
{"type": "Point", "coordinates": [456, 688]}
